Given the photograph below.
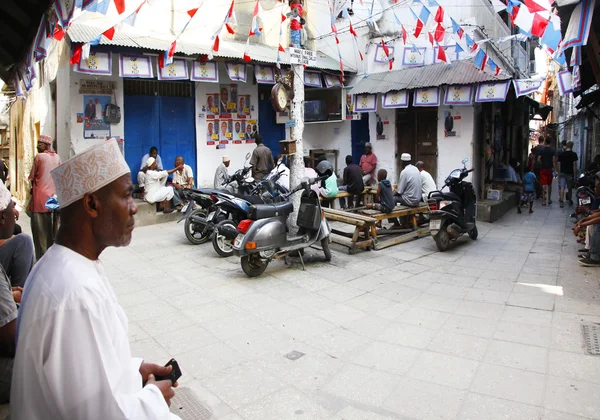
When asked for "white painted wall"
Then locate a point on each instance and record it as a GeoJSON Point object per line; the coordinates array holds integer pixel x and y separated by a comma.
{"type": "Point", "coordinates": [452, 150]}
{"type": "Point", "coordinates": [385, 149]}
{"type": "Point", "coordinates": [209, 157]}
{"type": "Point", "coordinates": [329, 136]}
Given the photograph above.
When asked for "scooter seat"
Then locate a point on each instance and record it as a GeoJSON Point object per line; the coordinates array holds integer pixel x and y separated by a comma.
{"type": "Point", "coordinates": [263, 211]}
{"type": "Point", "coordinates": [439, 195]}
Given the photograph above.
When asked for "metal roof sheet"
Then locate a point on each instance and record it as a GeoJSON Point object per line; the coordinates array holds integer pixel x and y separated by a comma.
{"type": "Point", "coordinates": [456, 73]}
{"type": "Point", "coordinates": [132, 38]}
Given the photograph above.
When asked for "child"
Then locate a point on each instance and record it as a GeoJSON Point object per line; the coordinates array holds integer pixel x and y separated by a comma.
{"type": "Point", "coordinates": [529, 182]}
{"type": "Point", "coordinates": [384, 200]}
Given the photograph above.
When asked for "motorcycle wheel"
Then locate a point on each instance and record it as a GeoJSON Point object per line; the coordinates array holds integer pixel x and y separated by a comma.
{"type": "Point", "coordinates": [474, 233]}
{"type": "Point", "coordinates": [221, 244]}
{"type": "Point", "coordinates": [442, 239]}
{"type": "Point", "coordinates": [193, 231]}
{"type": "Point", "coordinates": [326, 249]}
{"type": "Point", "coordinates": [253, 265]}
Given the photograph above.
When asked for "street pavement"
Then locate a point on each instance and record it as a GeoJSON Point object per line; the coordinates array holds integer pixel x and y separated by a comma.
{"type": "Point", "coordinates": [489, 330]}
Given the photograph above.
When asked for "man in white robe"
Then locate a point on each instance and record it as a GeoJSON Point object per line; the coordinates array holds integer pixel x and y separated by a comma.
{"type": "Point", "coordinates": [428, 184]}
{"type": "Point", "coordinates": [73, 359]}
{"type": "Point", "coordinates": [155, 190]}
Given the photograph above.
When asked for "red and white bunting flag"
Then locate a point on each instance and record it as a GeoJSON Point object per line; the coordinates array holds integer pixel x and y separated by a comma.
{"type": "Point", "coordinates": [109, 33]}
{"type": "Point", "coordinates": [404, 35]}
{"type": "Point", "coordinates": [430, 38]}
{"type": "Point", "coordinates": [539, 25]}
{"type": "Point", "coordinates": [535, 6]}
{"type": "Point", "coordinates": [440, 32]}
{"type": "Point", "coordinates": [120, 5]}
{"type": "Point", "coordinates": [192, 12]}
{"type": "Point", "coordinates": [442, 54]}
{"type": "Point", "coordinates": [439, 15]}
{"type": "Point", "coordinates": [229, 17]}
{"type": "Point", "coordinates": [76, 56]}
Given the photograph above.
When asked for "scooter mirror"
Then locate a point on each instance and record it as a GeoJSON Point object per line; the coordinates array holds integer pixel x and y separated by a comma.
{"type": "Point", "coordinates": [465, 160]}
{"type": "Point", "coordinates": [279, 161]}
{"type": "Point", "coordinates": [248, 156]}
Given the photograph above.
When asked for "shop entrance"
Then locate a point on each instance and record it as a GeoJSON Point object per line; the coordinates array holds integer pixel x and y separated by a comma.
{"type": "Point", "coordinates": [271, 132]}
{"type": "Point", "coordinates": [416, 133]}
{"type": "Point", "coordinates": [159, 114]}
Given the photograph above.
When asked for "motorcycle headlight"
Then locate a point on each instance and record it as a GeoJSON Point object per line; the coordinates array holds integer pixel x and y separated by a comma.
{"type": "Point", "coordinates": [444, 204]}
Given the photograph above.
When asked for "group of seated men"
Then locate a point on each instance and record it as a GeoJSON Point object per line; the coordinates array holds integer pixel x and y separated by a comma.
{"type": "Point", "coordinates": [152, 180]}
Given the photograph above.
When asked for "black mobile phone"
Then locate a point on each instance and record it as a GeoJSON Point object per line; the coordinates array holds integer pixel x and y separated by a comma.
{"type": "Point", "coordinates": [175, 372]}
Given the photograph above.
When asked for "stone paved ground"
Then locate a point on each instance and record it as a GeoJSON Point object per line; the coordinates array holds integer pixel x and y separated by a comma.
{"type": "Point", "coordinates": [488, 330]}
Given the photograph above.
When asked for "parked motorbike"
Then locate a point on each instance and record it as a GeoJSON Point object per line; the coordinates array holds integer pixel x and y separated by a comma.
{"type": "Point", "coordinates": [236, 208]}
{"type": "Point", "coordinates": [264, 235]}
{"type": "Point", "coordinates": [198, 203]}
{"type": "Point", "coordinates": [240, 182]}
{"type": "Point", "coordinates": [453, 213]}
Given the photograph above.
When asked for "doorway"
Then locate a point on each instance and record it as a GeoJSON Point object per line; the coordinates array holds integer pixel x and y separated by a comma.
{"type": "Point", "coordinates": [359, 133]}
{"type": "Point", "coordinates": [159, 114]}
{"type": "Point", "coordinates": [416, 133]}
{"type": "Point", "coordinates": [271, 132]}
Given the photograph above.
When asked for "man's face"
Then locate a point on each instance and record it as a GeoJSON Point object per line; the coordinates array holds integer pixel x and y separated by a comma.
{"type": "Point", "coordinates": [224, 95]}
{"type": "Point", "coordinates": [41, 147]}
{"type": "Point", "coordinates": [242, 103]}
{"type": "Point", "coordinates": [7, 221]}
{"type": "Point", "coordinates": [154, 154]}
{"type": "Point", "coordinates": [96, 101]}
{"type": "Point", "coordinates": [223, 128]}
{"type": "Point", "coordinates": [248, 129]}
{"type": "Point", "coordinates": [237, 127]}
{"type": "Point", "coordinates": [210, 129]}
{"type": "Point", "coordinates": [91, 102]}
{"type": "Point", "coordinates": [368, 150]}
{"type": "Point", "coordinates": [210, 102]}
{"type": "Point", "coordinates": [114, 223]}
{"type": "Point", "coordinates": [227, 163]}
{"type": "Point", "coordinates": [178, 162]}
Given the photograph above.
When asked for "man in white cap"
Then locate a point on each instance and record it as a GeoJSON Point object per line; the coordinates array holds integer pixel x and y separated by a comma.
{"type": "Point", "coordinates": [73, 359]}
{"type": "Point", "coordinates": [141, 178]}
{"type": "Point", "coordinates": [427, 182]}
{"type": "Point", "coordinates": [42, 188]}
{"type": "Point", "coordinates": [222, 175]}
{"type": "Point", "coordinates": [156, 190]}
{"type": "Point", "coordinates": [409, 190]}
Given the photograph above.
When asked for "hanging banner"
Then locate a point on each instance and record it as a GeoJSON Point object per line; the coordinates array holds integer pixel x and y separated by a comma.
{"type": "Point", "coordinates": [427, 97]}
{"type": "Point", "coordinates": [380, 55]}
{"type": "Point", "coordinates": [99, 62]}
{"type": "Point", "coordinates": [139, 66]}
{"type": "Point", "coordinates": [413, 56]}
{"type": "Point", "coordinates": [396, 99]}
{"type": "Point", "coordinates": [264, 74]}
{"type": "Point", "coordinates": [365, 102]}
{"type": "Point", "coordinates": [313, 79]}
{"type": "Point", "coordinates": [492, 92]}
{"type": "Point", "coordinates": [205, 72]}
{"type": "Point", "coordinates": [332, 81]}
{"type": "Point", "coordinates": [237, 72]}
{"type": "Point", "coordinates": [565, 82]}
{"type": "Point", "coordinates": [177, 70]}
{"type": "Point", "coordinates": [579, 25]}
{"type": "Point", "coordinates": [525, 86]}
{"type": "Point", "coordinates": [458, 95]}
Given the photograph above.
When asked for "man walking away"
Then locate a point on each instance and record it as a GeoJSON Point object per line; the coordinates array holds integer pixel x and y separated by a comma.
{"type": "Point", "coordinates": [261, 160]}
{"type": "Point", "coordinates": [352, 183]}
{"type": "Point", "coordinates": [409, 190]}
{"type": "Point", "coordinates": [221, 174]}
{"type": "Point", "coordinates": [537, 165]}
{"type": "Point", "coordinates": [546, 157]}
{"type": "Point", "coordinates": [427, 182]}
{"type": "Point", "coordinates": [368, 164]}
{"type": "Point", "coordinates": [183, 177]}
{"type": "Point", "coordinates": [566, 167]}
{"type": "Point", "coordinates": [42, 188]}
{"type": "Point", "coordinates": [73, 359]}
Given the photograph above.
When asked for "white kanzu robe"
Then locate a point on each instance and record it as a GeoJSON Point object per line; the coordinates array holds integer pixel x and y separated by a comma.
{"type": "Point", "coordinates": [155, 190]}
{"type": "Point", "coordinates": [73, 359]}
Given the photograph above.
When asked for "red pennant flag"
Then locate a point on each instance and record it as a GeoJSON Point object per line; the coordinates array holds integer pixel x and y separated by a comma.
{"type": "Point", "coordinates": [442, 54]}
{"type": "Point", "coordinates": [361, 56]}
{"type": "Point", "coordinates": [203, 58]}
{"type": "Point", "coordinates": [337, 41]}
{"type": "Point", "coordinates": [439, 16]}
{"type": "Point", "coordinates": [430, 38]}
{"type": "Point", "coordinates": [109, 33]}
{"type": "Point", "coordinates": [419, 28]}
{"type": "Point", "coordinates": [513, 16]}
{"type": "Point", "coordinates": [404, 35]}
{"type": "Point", "coordinates": [352, 31]}
{"type": "Point", "coordinates": [440, 31]}
{"type": "Point", "coordinates": [216, 44]}
{"type": "Point", "coordinates": [247, 57]}
{"type": "Point", "coordinates": [120, 5]}
{"type": "Point", "coordinates": [386, 50]}
{"type": "Point", "coordinates": [138, 9]}
{"type": "Point", "coordinates": [229, 28]}
{"type": "Point", "coordinates": [192, 12]}
{"type": "Point", "coordinates": [539, 25]}
{"type": "Point", "coordinates": [534, 7]}
{"type": "Point", "coordinates": [281, 49]}
{"type": "Point", "coordinates": [283, 18]}
{"type": "Point", "coordinates": [475, 46]}
{"type": "Point", "coordinates": [161, 59]}
{"type": "Point", "coordinates": [391, 64]}
{"type": "Point", "coordinates": [59, 34]}
{"type": "Point", "coordinates": [172, 49]}
{"type": "Point", "coordinates": [230, 14]}
{"type": "Point", "coordinates": [76, 56]}
{"type": "Point", "coordinates": [498, 70]}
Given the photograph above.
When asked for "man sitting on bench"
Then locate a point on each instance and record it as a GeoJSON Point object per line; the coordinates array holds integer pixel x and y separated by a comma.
{"type": "Point", "coordinates": [409, 191]}
{"type": "Point", "coordinates": [352, 184]}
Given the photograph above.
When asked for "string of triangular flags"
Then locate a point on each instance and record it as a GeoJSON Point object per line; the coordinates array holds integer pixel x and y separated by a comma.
{"type": "Point", "coordinates": [227, 23]}
{"type": "Point", "coordinates": [337, 40]}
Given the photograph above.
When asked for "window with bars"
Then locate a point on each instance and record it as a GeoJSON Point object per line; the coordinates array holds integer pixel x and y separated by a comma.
{"type": "Point", "coordinates": [150, 87]}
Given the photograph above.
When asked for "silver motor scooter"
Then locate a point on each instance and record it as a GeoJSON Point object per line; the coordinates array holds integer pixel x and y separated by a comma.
{"type": "Point", "coordinates": [264, 236]}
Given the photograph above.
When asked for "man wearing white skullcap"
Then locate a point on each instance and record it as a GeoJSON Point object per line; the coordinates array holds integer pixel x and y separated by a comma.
{"type": "Point", "coordinates": [222, 175]}
{"type": "Point", "coordinates": [73, 359]}
{"type": "Point", "coordinates": [409, 190]}
{"type": "Point", "coordinates": [42, 188]}
{"type": "Point", "coordinates": [156, 190]}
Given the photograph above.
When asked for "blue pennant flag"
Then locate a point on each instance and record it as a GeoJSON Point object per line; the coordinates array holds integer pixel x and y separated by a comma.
{"type": "Point", "coordinates": [96, 41]}
{"type": "Point", "coordinates": [459, 49]}
{"type": "Point", "coordinates": [481, 59]}
{"type": "Point", "coordinates": [470, 42]}
{"type": "Point", "coordinates": [455, 26]}
{"type": "Point", "coordinates": [98, 6]}
{"type": "Point", "coordinates": [433, 3]}
{"type": "Point", "coordinates": [424, 15]}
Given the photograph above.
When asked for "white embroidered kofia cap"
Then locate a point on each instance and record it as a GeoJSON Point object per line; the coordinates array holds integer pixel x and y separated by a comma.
{"type": "Point", "coordinates": [89, 171]}
{"type": "Point", "coordinates": [5, 197]}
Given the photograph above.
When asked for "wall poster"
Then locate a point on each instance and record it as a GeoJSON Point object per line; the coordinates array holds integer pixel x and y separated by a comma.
{"type": "Point", "coordinates": [99, 62]}
{"type": "Point", "coordinates": [251, 130]}
{"type": "Point", "coordinates": [237, 72]}
{"type": "Point", "coordinates": [413, 56]}
{"type": "Point", "coordinates": [205, 72]}
{"type": "Point", "coordinates": [225, 131]}
{"type": "Point", "coordinates": [492, 92]}
{"type": "Point", "coordinates": [211, 107]}
{"type": "Point", "coordinates": [365, 102]}
{"type": "Point", "coordinates": [452, 123]}
{"type": "Point", "coordinates": [313, 79]}
{"type": "Point", "coordinates": [94, 126]}
{"type": "Point", "coordinates": [243, 106]}
{"type": "Point", "coordinates": [177, 70]}
{"type": "Point", "coordinates": [228, 100]}
{"type": "Point", "coordinates": [212, 132]}
{"type": "Point", "coordinates": [458, 95]}
{"type": "Point", "coordinates": [264, 74]}
{"type": "Point", "coordinates": [395, 99]}
{"type": "Point", "coordinates": [135, 66]}
{"type": "Point", "coordinates": [427, 97]}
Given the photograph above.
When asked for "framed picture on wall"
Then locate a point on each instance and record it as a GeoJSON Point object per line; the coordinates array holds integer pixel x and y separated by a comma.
{"type": "Point", "coordinates": [177, 70]}
{"type": "Point", "coordinates": [395, 99]}
{"type": "Point", "coordinates": [413, 56]}
{"type": "Point", "coordinates": [99, 62]}
{"type": "Point", "coordinates": [205, 72]}
{"type": "Point", "coordinates": [365, 102]}
{"type": "Point", "coordinates": [380, 57]}
{"type": "Point", "coordinates": [138, 66]}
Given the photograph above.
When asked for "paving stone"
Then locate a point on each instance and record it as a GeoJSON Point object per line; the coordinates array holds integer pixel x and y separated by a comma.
{"type": "Point", "coordinates": [511, 384]}
{"type": "Point", "coordinates": [478, 407]}
{"type": "Point", "coordinates": [452, 371]}
{"type": "Point", "coordinates": [518, 356]}
{"type": "Point", "coordinates": [573, 397]}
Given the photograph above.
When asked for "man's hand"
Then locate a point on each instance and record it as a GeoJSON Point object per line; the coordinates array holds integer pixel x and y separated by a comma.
{"type": "Point", "coordinates": [17, 293]}
{"type": "Point", "coordinates": [576, 230]}
{"type": "Point", "coordinates": [176, 185]}
{"type": "Point", "coordinates": [165, 387]}
{"type": "Point", "coordinates": [147, 369]}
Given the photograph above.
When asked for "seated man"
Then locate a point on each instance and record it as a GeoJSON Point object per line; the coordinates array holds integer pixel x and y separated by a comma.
{"type": "Point", "coordinates": [16, 248]}
{"type": "Point", "coordinates": [514, 181]}
{"type": "Point", "coordinates": [368, 164]}
{"type": "Point", "coordinates": [222, 175]}
{"type": "Point", "coordinates": [156, 191]}
{"type": "Point", "coordinates": [141, 178]}
{"type": "Point", "coordinates": [427, 182]}
{"type": "Point", "coordinates": [384, 200]}
{"type": "Point", "coordinates": [352, 183]}
{"type": "Point", "coordinates": [410, 190]}
{"type": "Point", "coordinates": [182, 177]}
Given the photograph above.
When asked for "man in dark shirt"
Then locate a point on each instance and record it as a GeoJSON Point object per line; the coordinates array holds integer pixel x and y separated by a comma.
{"type": "Point", "coordinates": [566, 166]}
{"type": "Point", "coordinates": [546, 158]}
{"type": "Point", "coordinates": [262, 159]}
{"type": "Point", "coordinates": [352, 183]}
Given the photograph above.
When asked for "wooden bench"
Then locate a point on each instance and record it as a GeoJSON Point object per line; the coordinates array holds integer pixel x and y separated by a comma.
{"type": "Point", "coordinates": [364, 225]}
{"type": "Point", "coordinates": [400, 235]}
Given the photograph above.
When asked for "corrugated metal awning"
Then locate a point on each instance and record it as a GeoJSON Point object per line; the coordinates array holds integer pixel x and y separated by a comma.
{"type": "Point", "coordinates": [457, 73]}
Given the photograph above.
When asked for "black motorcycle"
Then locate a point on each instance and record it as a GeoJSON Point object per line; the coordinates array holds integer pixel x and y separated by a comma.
{"type": "Point", "coordinates": [453, 213]}
{"type": "Point", "coordinates": [198, 204]}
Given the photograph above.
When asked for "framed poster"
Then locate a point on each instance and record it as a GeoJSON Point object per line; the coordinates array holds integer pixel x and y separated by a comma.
{"type": "Point", "coordinates": [312, 79]}
{"type": "Point", "coordinates": [228, 100]}
{"type": "Point", "coordinates": [211, 107]}
{"type": "Point", "coordinates": [94, 126]}
{"type": "Point", "coordinates": [525, 86]}
{"type": "Point", "coordinates": [177, 70]}
{"type": "Point", "coordinates": [492, 92]}
{"type": "Point", "coordinates": [251, 130]}
{"type": "Point", "coordinates": [212, 133]}
{"type": "Point", "coordinates": [413, 56]}
{"type": "Point", "coordinates": [243, 106]}
{"type": "Point", "coordinates": [366, 102]}
{"type": "Point", "coordinates": [427, 97]}
{"type": "Point", "coordinates": [395, 99]}
{"type": "Point", "coordinates": [458, 95]}
{"type": "Point", "coordinates": [139, 66]}
{"type": "Point", "coordinates": [237, 72]}
{"type": "Point", "coordinates": [332, 80]}
{"type": "Point", "coordinates": [380, 56]}
{"type": "Point", "coordinates": [225, 131]}
{"type": "Point", "coordinates": [239, 131]}
{"type": "Point", "coordinates": [99, 62]}
{"type": "Point", "coordinates": [264, 74]}
{"type": "Point", "coordinates": [452, 123]}
{"type": "Point", "coordinates": [205, 72]}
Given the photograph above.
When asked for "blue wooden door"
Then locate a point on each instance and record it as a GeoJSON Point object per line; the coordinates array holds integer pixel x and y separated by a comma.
{"type": "Point", "coordinates": [359, 131]}
{"type": "Point", "coordinates": [141, 129]}
{"type": "Point", "coordinates": [271, 132]}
